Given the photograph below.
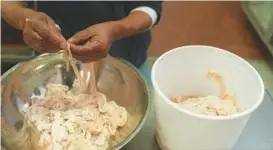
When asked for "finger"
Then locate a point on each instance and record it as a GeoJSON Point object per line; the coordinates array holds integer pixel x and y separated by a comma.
{"type": "Point", "coordinates": [54, 27]}
{"type": "Point", "coordinates": [28, 31]}
{"type": "Point", "coordinates": [51, 23]}
{"type": "Point", "coordinates": [32, 39]}
{"type": "Point", "coordinates": [80, 36]}
{"type": "Point", "coordinates": [43, 29]}
{"type": "Point", "coordinates": [46, 32]}
{"type": "Point", "coordinates": [35, 41]}
{"type": "Point", "coordinates": [88, 49]}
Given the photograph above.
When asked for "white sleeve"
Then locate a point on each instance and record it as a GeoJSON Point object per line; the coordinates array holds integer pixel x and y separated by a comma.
{"type": "Point", "coordinates": [150, 11]}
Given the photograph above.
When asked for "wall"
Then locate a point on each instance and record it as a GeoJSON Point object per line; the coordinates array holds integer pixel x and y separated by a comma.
{"type": "Point", "coordinates": [221, 24]}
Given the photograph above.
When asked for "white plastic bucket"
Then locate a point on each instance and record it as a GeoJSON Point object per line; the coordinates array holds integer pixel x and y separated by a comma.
{"type": "Point", "coordinates": [182, 72]}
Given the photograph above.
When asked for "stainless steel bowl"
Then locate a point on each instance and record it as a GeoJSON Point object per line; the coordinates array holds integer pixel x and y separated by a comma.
{"type": "Point", "coordinates": [117, 79]}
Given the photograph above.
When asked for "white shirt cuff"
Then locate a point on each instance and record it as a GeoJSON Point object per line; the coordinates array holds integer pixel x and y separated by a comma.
{"type": "Point", "coordinates": [148, 10]}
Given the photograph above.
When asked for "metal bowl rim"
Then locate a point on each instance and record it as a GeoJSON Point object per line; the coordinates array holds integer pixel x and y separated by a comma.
{"type": "Point", "coordinates": [147, 88]}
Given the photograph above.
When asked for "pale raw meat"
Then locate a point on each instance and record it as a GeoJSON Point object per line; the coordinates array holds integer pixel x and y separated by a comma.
{"type": "Point", "coordinates": [211, 105]}
{"type": "Point", "coordinates": [64, 123]}
{"type": "Point", "coordinates": [74, 120]}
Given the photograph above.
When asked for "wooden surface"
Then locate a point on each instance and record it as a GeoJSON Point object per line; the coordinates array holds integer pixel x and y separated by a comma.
{"type": "Point", "coordinates": [220, 24]}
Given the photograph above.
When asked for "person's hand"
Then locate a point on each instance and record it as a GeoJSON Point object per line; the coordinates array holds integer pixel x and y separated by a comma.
{"type": "Point", "coordinates": [98, 40]}
{"type": "Point", "coordinates": [42, 34]}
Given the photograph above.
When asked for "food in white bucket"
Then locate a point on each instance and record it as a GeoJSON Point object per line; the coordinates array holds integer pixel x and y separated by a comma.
{"type": "Point", "coordinates": [182, 72]}
{"type": "Point", "coordinates": [223, 105]}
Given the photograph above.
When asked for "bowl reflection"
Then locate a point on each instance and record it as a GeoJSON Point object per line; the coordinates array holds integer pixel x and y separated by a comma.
{"type": "Point", "coordinates": [117, 79]}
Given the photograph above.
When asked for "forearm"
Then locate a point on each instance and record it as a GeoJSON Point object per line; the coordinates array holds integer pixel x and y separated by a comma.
{"type": "Point", "coordinates": [15, 13]}
{"type": "Point", "coordinates": [136, 22]}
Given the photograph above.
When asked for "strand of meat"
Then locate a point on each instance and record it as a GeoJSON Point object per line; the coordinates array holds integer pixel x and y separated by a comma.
{"type": "Point", "coordinates": [82, 84]}
{"type": "Point", "coordinates": [82, 120]}
{"type": "Point", "coordinates": [223, 89]}
{"type": "Point", "coordinates": [225, 104]}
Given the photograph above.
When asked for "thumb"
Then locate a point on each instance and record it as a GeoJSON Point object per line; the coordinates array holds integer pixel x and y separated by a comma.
{"type": "Point", "coordinates": [63, 42]}
{"type": "Point", "coordinates": [80, 36]}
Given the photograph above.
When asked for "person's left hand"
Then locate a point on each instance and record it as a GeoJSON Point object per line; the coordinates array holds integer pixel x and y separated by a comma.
{"type": "Point", "coordinates": [99, 38]}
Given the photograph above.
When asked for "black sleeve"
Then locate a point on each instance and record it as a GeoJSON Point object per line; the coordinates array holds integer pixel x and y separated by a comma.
{"type": "Point", "coordinates": [156, 5]}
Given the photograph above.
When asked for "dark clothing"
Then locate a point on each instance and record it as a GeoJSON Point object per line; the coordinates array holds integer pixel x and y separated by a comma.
{"type": "Point", "coordinates": [73, 16]}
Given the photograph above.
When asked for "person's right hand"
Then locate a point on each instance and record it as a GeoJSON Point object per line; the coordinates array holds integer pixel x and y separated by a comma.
{"type": "Point", "coordinates": [42, 34]}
